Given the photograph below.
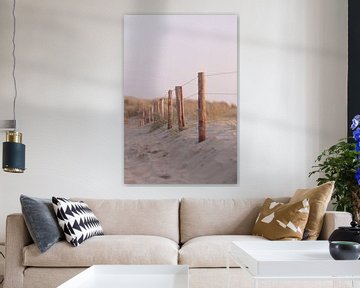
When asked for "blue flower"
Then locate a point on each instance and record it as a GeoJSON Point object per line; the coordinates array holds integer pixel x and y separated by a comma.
{"type": "Point", "coordinates": [357, 176]}
{"type": "Point", "coordinates": [355, 122]}
{"type": "Point", "coordinates": [356, 134]}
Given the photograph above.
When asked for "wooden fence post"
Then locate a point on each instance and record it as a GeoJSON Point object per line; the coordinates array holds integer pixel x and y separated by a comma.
{"type": "Point", "coordinates": [202, 107]}
{"type": "Point", "coordinates": [146, 117]}
{"type": "Point", "coordinates": [178, 106]}
{"type": "Point", "coordinates": [162, 109]}
{"type": "Point", "coordinates": [166, 110]}
{"type": "Point", "coordinates": [170, 112]}
{"type": "Point", "coordinates": [182, 111]}
{"type": "Point", "coordinates": [152, 113]}
{"type": "Point", "coordinates": [158, 109]}
{"type": "Point", "coordinates": [154, 109]}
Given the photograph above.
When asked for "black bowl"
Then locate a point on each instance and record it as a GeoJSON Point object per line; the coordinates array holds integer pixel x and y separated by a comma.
{"type": "Point", "coordinates": [344, 250]}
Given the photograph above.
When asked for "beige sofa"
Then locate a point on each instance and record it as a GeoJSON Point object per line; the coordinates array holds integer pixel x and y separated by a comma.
{"type": "Point", "coordinates": [195, 232]}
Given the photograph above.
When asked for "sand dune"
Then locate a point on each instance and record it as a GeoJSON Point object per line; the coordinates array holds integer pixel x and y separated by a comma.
{"type": "Point", "coordinates": [171, 157]}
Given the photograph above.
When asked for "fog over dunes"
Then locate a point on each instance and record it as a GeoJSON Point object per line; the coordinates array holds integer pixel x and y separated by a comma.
{"type": "Point", "coordinates": [164, 51]}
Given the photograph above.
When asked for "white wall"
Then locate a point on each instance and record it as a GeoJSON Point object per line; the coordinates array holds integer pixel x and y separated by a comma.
{"type": "Point", "coordinates": [293, 62]}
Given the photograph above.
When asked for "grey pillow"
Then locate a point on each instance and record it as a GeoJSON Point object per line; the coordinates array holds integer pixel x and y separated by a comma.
{"type": "Point", "coordinates": [41, 221]}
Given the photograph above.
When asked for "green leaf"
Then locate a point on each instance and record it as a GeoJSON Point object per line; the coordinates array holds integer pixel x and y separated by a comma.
{"type": "Point", "coordinates": [338, 163]}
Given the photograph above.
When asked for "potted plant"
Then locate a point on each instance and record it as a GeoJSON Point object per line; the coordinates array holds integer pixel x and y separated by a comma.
{"type": "Point", "coordinates": [341, 163]}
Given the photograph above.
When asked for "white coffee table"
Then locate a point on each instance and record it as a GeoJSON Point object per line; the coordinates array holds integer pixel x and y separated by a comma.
{"type": "Point", "coordinates": [300, 260]}
{"type": "Point", "coordinates": [131, 276]}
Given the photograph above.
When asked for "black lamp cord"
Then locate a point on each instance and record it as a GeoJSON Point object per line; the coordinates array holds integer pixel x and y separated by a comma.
{"type": "Point", "coordinates": [14, 61]}
{"type": "Point", "coordinates": [14, 78]}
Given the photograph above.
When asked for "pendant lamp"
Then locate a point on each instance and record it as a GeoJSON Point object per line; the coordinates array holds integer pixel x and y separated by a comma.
{"type": "Point", "coordinates": [13, 160]}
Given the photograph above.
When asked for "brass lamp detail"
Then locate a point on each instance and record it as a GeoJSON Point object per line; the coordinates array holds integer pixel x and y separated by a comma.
{"type": "Point", "coordinates": [13, 153]}
{"type": "Point", "coordinates": [13, 136]}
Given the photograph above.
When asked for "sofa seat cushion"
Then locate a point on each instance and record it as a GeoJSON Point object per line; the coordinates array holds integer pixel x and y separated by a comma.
{"type": "Point", "coordinates": [107, 249]}
{"type": "Point", "coordinates": [211, 251]}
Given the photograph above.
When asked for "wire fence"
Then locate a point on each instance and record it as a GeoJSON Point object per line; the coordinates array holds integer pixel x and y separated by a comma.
{"type": "Point", "coordinates": [195, 102]}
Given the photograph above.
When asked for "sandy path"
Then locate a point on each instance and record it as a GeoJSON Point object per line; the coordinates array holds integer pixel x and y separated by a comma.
{"type": "Point", "coordinates": [170, 157]}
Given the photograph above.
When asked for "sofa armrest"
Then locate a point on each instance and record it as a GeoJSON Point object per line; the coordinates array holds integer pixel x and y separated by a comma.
{"type": "Point", "coordinates": [17, 237]}
{"type": "Point", "coordinates": [333, 220]}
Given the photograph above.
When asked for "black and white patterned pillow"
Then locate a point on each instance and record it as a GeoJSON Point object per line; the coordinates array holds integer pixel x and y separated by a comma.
{"type": "Point", "coordinates": [77, 220]}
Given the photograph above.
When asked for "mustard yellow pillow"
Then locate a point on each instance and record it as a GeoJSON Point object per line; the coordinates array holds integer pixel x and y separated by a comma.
{"type": "Point", "coordinates": [279, 221]}
{"type": "Point", "coordinates": [319, 198]}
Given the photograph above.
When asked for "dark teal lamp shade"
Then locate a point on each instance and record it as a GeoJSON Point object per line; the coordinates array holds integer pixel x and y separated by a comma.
{"type": "Point", "coordinates": [13, 153]}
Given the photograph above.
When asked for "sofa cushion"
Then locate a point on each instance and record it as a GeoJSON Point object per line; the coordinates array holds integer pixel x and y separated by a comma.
{"type": "Point", "coordinates": [41, 221]}
{"type": "Point", "coordinates": [201, 217]}
{"type": "Point", "coordinates": [279, 221]}
{"type": "Point", "coordinates": [158, 217]}
{"type": "Point", "coordinates": [319, 198]}
{"type": "Point", "coordinates": [211, 251]}
{"type": "Point", "coordinates": [107, 249]}
{"type": "Point", "coordinates": [35, 277]}
{"type": "Point", "coordinates": [77, 220]}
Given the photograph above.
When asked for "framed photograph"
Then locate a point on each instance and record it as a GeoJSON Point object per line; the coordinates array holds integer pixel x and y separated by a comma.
{"type": "Point", "coordinates": [180, 99]}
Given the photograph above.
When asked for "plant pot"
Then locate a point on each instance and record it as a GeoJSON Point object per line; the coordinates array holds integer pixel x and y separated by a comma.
{"type": "Point", "coordinates": [350, 234]}
{"type": "Point", "coordinates": [344, 250]}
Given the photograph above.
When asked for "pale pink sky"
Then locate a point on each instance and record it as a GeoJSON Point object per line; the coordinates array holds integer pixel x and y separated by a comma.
{"type": "Point", "coordinates": [162, 51]}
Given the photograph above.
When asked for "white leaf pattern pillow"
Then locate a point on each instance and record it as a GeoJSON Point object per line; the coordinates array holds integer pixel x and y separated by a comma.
{"type": "Point", "coordinates": [278, 221]}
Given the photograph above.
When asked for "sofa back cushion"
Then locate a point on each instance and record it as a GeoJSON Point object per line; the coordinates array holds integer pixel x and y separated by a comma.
{"type": "Point", "coordinates": [200, 217]}
{"type": "Point", "coordinates": [158, 217]}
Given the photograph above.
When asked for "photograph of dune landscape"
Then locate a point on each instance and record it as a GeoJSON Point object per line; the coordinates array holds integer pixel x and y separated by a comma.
{"type": "Point", "coordinates": [180, 99]}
